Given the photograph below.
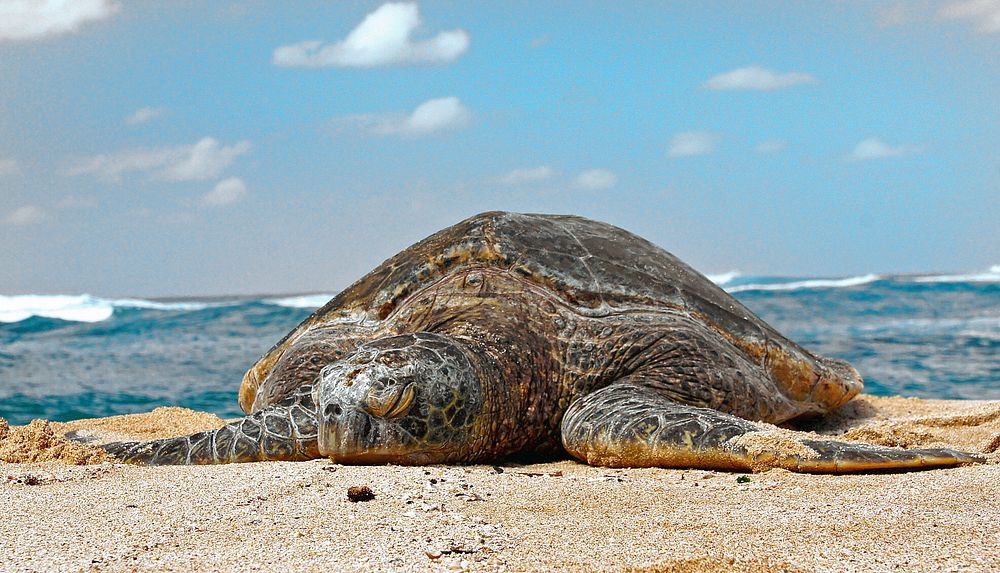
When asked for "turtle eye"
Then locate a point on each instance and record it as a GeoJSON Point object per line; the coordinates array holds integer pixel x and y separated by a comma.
{"type": "Point", "coordinates": [390, 402]}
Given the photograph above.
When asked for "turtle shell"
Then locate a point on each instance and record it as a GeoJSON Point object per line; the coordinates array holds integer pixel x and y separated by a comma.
{"type": "Point", "coordinates": [596, 267]}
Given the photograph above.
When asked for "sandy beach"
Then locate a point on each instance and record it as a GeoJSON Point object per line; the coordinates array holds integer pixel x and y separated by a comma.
{"type": "Point", "coordinates": [558, 515]}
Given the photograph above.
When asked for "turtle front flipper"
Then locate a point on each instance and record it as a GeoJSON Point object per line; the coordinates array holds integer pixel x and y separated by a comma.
{"type": "Point", "coordinates": [276, 433]}
{"type": "Point", "coordinates": [629, 424]}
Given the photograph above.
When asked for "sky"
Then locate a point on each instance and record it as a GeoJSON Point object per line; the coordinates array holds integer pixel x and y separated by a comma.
{"type": "Point", "coordinates": [205, 148]}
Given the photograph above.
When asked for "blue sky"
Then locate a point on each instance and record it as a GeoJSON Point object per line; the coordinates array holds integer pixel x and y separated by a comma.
{"type": "Point", "coordinates": [186, 148]}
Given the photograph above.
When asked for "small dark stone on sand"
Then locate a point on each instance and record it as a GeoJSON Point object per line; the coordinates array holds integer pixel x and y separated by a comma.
{"type": "Point", "coordinates": [357, 493]}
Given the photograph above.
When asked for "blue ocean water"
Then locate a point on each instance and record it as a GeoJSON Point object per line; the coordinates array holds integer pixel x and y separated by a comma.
{"type": "Point", "coordinates": [67, 357]}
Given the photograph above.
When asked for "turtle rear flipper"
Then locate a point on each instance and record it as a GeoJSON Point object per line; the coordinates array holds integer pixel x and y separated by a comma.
{"type": "Point", "coordinates": [629, 424]}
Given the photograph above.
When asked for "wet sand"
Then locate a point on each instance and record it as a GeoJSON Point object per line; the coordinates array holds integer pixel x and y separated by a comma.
{"type": "Point", "coordinates": [559, 515]}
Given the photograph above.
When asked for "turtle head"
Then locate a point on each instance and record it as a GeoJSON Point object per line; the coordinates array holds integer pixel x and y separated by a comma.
{"type": "Point", "coordinates": [410, 399]}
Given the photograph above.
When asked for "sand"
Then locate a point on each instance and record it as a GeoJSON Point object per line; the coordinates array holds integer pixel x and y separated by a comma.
{"type": "Point", "coordinates": [559, 515]}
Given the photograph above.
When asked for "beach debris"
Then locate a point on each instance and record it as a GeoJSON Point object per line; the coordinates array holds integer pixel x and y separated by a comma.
{"type": "Point", "coordinates": [743, 479]}
{"type": "Point", "coordinates": [453, 548]}
{"type": "Point", "coordinates": [557, 473]}
{"type": "Point", "coordinates": [34, 479]}
{"type": "Point", "coordinates": [357, 493]}
{"type": "Point", "coordinates": [469, 496]}
{"type": "Point", "coordinates": [607, 477]}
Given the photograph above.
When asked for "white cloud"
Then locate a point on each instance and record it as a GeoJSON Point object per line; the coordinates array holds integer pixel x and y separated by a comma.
{"type": "Point", "coordinates": [691, 143]}
{"type": "Point", "coordinates": [25, 215]}
{"type": "Point", "coordinates": [225, 192]}
{"type": "Point", "coordinates": [595, 179]}
{"type": "Point", "coordinates": [984, 14]}
{"type": "Point", "coordinates": [757, 78]}
{"type": "Point", "coordinates": [203, 160]}
{"type": "Point", "coordinates": [875, 148]}
{"type": "Point", "coordinates": [36, 19]}
{"type": "Point", "coordinates": [8, 166]}
{"type": "Point", "coordinates": [527, 175]}
{"type": "Point", "coordinates": [771, 146]}
{"type": "Point", "coordinates": [144, 115]}
{"type": "Point", "coordinates": [383, 38]}
{"type": "Point", "coordinates": [439, 114]}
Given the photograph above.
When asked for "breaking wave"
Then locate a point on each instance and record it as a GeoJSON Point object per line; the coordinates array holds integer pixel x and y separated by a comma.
{"type": "Point", "coordinates": [800, 284]}
{"type": "Point", "coordinates": [87, 308]}
{"type": "Point", "coordinates": [301, 301]}
{"type": "Point", "coordinates": [723, 279]}
{"type": "Point", "coordinates": [990, 276]}
{"type": "Point", "coordinates": [81, 308]}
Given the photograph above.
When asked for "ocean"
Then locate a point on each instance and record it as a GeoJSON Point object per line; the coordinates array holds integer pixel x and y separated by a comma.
{"type": "Point", "coordinates": [67, 357]}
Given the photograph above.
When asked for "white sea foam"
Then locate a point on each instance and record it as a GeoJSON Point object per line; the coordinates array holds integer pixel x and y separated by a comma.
{"type": "Point", "coordinates": [155, 305]}
{"type": "Point", "coordinates": [79, 308]}
{"type": "Point", "coordinates": [935, 325]}
{"type": "Point", "coordinates": [301, 301]}
{"type": "Point", "coordinates": [808, 284]}
{"type": "Point", "coordinates": [990, 276]}
{"type": "Point", "coordinates": [722, 279]}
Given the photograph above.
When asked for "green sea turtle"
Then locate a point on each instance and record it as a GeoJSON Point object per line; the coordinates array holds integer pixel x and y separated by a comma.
{"type": "Point", "coordinates": [513, 333]}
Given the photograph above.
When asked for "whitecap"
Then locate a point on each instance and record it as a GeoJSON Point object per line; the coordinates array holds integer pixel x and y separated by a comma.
{"type": "Point", "coordinates": [156, 305]}
{"type": "Point", "coordinates": [723, 279]}
{"type": "Point", "coordinates": [81, 308]}
{"type": "Point", "coordinates": [992, 275]}
{"type": "Point", "coordinates": [76, 308]}
{"type": "Point", "coordinates": [970, 326]}
{"type": "Point", "coordinates": [807, 284]}
{"type": "Point", "coordinates": [301, 301]}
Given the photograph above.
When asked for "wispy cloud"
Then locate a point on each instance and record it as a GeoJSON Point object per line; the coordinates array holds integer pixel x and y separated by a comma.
{"type": "Point", "coordinates": [692, 143]}
{"type": "Point", "coordinates": [527, 175]}
{"type": "Point", "coordinates": [225, 192]}
{"type": "Point", "coordinates": [38, 19]}
{"type": "Point", "coordinates": [441, 114]}
{"type": "Point", "coordinates": [771, 146]}
{"type": "Point", "coordinates": [202, 160]}
{"type": "Point", "coordinates": [144, 115]}
{"type": "Point", "coordinates": [757, 78]}
{"type": "Point", "coordinates": [895, 14]}
{"type": "Point", "coordinates": [26, 215]}
{"type": "Point", "coordinates": [595, 179]}
{"type": "Point", "coordinates": [538, 42]}
{"type": "Point", "coordinates": [8, 166]}
{"type": "Point", "coordinates": [875, 148]}
{"type": "Point", "coordinates": [383, 38]}
{"type": "Point", "coordinates": [983, 14]}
